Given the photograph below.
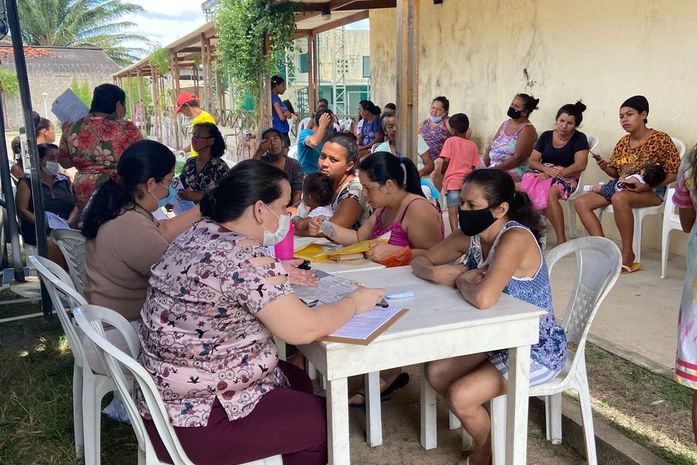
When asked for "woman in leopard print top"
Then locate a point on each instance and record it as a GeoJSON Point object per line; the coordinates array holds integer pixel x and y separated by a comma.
{"type": "Point", "coordinates": [640, 147]}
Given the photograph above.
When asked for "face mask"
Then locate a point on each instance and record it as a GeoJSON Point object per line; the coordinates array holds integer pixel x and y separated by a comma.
{"type": "Point", "coordinates": [273, 238]}
{"type": "Point", "coordinates": [199, 144]}
{"type": "Point", "coordinates": [52, 168]}
{"type": "Point", "coordinates": [473, 222]}
{"type": "Point", "coordinates": [171, 193]}
{"type": "Point", "coordinates": [513, 113]}
{"type": "Point", "coordinates": [436, 119]}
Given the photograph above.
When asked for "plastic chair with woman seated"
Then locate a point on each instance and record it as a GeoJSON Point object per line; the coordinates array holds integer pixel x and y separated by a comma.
{"type": "Point", "coordinates": [88, 387]}
{"type": "Point", "coordinates": [91, 320]}
{"type": "Point", "coordinates": [598, 264]}
{"type": "Point", "coordinates": [641, 213]}
{"type": "Point", "coordinates": [72, 246]}
{"type": "Point", "coordinates": [570, 209]}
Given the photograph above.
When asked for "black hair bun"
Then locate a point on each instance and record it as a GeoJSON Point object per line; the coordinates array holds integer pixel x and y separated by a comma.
{"type": "Point", "coordinates": [580, 106]}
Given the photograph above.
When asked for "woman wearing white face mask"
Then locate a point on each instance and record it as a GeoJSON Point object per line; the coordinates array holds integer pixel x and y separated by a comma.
{"type": "Point", "coordinates": [216, 299]}
{"type": "Point", "coordinates": [56, 196]}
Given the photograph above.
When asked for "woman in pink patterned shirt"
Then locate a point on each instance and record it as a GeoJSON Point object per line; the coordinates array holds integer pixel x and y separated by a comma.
{"type": "Point", "coordinates": [216, 299]}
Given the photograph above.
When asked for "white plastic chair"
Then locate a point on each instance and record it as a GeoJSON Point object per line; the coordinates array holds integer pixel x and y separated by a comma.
{"type": "Point", "coordinates": [641, 213]}
{"type": "Point", "coordinates": [90, 319]}
{"type": "Point", "coordinates": [598, 264]}
{"type": "Point", "coordinates": [671, 222]}
{"type": "Point", "coordinates": [88, 387]}
{"type": "Point", "coordinates": [72, 245]}
{"type": "Point", "coordinates": [570, 208]}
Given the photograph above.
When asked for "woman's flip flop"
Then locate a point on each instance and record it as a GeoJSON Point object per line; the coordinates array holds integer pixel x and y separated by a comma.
{"type": "Point", "coordinates": [626, 269]}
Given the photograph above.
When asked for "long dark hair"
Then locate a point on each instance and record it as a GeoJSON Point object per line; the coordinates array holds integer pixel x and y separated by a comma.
{"type": "Point", "coordinates": [498, 187]}
{"type": "Point", "coordinates": [105, 97]}
{"type": "Point", "coordinates": [242, 186]}
{"type": "Point", "coordinates": [141, 161]}
{"type": "Point", "coordinates": [383, 166]}
{"type": "Point", "coordinates": [218, 148]}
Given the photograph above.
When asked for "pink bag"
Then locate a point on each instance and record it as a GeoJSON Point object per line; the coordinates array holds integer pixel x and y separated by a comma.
{"type": "Point", "coordinates": [537, 190]}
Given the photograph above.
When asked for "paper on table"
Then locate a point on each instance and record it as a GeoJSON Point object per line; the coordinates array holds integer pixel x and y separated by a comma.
{"type": "Point", "coordinates": [68, 107]}
{"type": "Point", "coordinates": [362, 328]}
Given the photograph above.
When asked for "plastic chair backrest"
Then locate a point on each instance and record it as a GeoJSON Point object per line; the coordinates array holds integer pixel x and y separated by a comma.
{"type": "Point", "coordinates": [680, 145]}
{"type": "Point", "coordinates": [72, 245]}
{"type": "Point", "coordinates": [91, 319]}
{"type": "Point", "coordinates": [592, 142]}
{"type": "Point", "coordinates": [61, 289]}
{"type": "Point", "coordinates": [598, 264]}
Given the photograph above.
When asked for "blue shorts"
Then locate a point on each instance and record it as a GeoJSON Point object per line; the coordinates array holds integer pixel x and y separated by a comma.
{"type": "Point", "coordinates": [452, 198]}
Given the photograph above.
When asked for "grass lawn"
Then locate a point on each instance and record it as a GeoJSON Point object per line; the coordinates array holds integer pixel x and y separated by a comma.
{"type": "Point", "coordinates": [36, 406]}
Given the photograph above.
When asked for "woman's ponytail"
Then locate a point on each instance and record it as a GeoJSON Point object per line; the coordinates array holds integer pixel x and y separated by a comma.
{"type": "Point", "coordinates": [412, 179]}
{"type": "Point", "coordinates": [105, 205]}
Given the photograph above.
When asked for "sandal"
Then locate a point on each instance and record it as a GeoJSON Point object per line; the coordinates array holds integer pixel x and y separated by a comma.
{"type": "Point", "coordinates": [399, 382]}
{"type": "Point", "coordinates": [626, 269]}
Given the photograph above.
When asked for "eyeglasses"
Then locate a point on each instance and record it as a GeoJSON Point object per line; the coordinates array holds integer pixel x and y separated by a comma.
{"type": "Point", "coordinates": [202, 137]}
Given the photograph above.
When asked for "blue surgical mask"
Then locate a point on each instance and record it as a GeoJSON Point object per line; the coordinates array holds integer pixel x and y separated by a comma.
{"type": "Point", "coordinates": [436, 119]}
{"type": "Point", "coordinates": [171, 195]}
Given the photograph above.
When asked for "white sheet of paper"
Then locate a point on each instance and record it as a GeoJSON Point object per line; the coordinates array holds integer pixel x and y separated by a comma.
{"type": "Point", "coordinates": [361, 326]}
{"type": "Point", "coordinates": [56, 222]}
{"type": "Point", "coordinates": [68, 107]}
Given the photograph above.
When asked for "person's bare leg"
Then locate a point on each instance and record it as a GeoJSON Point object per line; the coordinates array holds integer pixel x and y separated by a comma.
{"type": "Point", "coordinates": [440, 374]}
{"type": "Point", "coordinates": [452, 219]}
{"type": "Point", "coordinates": [585, 206]}
{"type": "Point", "coordinates": [466, 397]}
{"type": "Point", "coordinates": [555, 215]}
{"type": "Point", "coordinates": [622, 204]}
{"type": "Point", "coordinates": [54, 254]}
{"type": "Point", "coordinates": [387, 377]}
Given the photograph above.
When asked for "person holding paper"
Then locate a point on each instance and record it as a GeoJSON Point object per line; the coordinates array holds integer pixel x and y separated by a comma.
{"type": "Point", "coordinates": [499, 238]}
{"type": "Point", "coordinates": [392, 187]}
{"type": "Point", "coordinates": [94, 144]}
{"type": "Point", "coordinates": [208, 168]}
{"type": "Point", "coordinates": [215, 301]}
{"type": "Point", "coordinates": [55, 194]}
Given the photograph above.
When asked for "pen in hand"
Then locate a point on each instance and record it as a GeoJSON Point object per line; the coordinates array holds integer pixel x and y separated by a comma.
{"type": "Point", "coordinates": [383, 303]}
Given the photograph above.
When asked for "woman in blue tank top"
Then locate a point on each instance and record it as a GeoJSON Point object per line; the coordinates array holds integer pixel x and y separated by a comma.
{"type": "Point", "coordinates": [494, 252]}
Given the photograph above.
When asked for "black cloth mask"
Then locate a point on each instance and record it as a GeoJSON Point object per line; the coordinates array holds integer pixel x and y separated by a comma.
{"type": "Point", "coordinates": [513, 113]}
{"type": "Point", "coordinates": [473, 222]}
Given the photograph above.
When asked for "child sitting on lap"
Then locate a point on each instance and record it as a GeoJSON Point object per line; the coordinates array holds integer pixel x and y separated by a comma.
{"type": "Point", "coordinates": [652, 175]}
{"type": "Point", "coordinates": [318, 191]}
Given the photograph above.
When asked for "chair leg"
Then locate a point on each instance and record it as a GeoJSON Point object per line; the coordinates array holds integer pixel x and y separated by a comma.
{"type": "Point", "coordinates": [453, 421]}
{"type": "Point", "coordinates": [91, 421]}
{"type": "Point", "coordinates": [571, 213]}
{"type": "Point", "coordinates": [636, 239]}
{"type": "Point", "coordinates": [498, 416]}
{"type": "Point", "coordinates": [429, 431]}
{"type": "Point", "coordinates": [587, 415]}
{"type": "Point", "coordinates": [77, 412]}
{"type": "Point", "coordinates": [665, 245]}
{"type": "Point", "coordinates": [553, 417]}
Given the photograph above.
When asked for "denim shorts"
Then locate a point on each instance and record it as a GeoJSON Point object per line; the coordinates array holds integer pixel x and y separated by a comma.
{"type": "Point", "coordinates": [452, 198]}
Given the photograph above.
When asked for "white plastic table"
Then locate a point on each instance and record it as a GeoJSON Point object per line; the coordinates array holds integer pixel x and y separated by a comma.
{"type": "Point", "coordinates": [439, 324]}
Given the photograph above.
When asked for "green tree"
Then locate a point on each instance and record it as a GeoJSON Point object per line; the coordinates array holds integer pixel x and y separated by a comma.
{"type": "Point", "coordinates": [82, 91]}
{"type": "Point", "coordinates": [81, 23]}
{"type": "Point", "coordinates": [8, 82]}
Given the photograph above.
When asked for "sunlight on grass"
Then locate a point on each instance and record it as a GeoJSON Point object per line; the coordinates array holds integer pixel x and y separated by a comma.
{"type": "Point", "coordinates": [63, 346]}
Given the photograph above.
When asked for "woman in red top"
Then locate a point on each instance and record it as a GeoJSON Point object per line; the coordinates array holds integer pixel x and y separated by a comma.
{"type": "Point", "coordinates": [94, 144]}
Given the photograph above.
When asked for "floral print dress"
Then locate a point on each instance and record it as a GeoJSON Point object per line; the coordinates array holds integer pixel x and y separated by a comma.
{"type": "Point", "coordinates": [201, 338]}
{"type": "Point", "coordinates": [94, 144]}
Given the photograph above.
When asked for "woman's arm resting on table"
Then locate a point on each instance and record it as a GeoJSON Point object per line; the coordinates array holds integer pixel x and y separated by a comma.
{"type": "Point", "coordinates": [294, 322]}
{"type": "Point", "coordinates": [437, 264]}
{"type": "Point", "coordinates": [320, 225]}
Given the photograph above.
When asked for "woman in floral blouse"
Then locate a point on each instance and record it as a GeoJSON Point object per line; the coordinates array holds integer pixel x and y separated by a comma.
{"type": "Point", "coordinates": [94, 144]}
{"type": "Point", "coordinates": [216, 299]}
{"type": "Point", "coordinates": [207, 168]}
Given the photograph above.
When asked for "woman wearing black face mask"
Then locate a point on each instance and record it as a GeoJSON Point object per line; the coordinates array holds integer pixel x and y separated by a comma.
{"type": "Point", "coordinates": [513, 142]}
{"type": "Point", "coordinates": [498, 233]}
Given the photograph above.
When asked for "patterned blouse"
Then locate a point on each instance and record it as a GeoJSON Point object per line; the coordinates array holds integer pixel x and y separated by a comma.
{"type": "Point", "coordinates": [550, 351]}
{"type": "Point", "coordinates": [200, 337]}
{"type": "Point", "coordinates": [209, 176]}
{"type": "Point", "coordinates": [435, 136]}
{"type": "Point", "coordinates": [94, 145]}
{"type": "Point", "coordinates": [352, 189]}
{"type": "Point", "coordinates": [658, 148]}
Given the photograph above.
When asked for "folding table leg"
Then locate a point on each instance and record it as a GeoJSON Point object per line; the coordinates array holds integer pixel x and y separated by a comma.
{"type": "Point", "coordinates": [517, 414]}
{"type": "Point", "coordinates": [429, 430]}
{"type": "Point", "coordinates": [373, 411]}
{"type": "Point", "coordinates": [338, 422]}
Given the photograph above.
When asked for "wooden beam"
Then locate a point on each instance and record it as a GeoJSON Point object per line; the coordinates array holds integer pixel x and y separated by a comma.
{"type": "Point", "coordinates": [264, 107]}
{"type": "Point", "coordinates": [175, 82]}
{"type": "Point", "coordinates": [329, 25]}
{"type": "Point", "coordinates": [312, 95]}
{"type": "Point", "coordinates": [407, 76]}
{"type": "Point", "coordinates": [367, 5]}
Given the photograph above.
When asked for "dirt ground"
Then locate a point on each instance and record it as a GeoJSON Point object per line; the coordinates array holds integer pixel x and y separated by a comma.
{"type": "Point", "coordinates": [401, 417]}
